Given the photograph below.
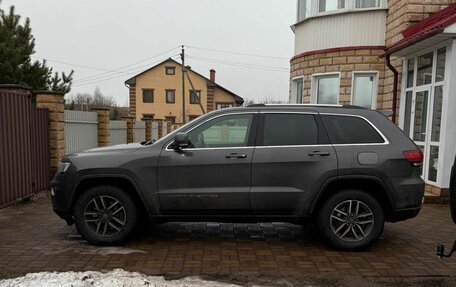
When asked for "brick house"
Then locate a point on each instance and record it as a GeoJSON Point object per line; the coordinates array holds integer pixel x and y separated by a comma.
{"type": "Point", "coordinates": [355, 52]}
{"type": "Point", "coordinates": [157, 93]}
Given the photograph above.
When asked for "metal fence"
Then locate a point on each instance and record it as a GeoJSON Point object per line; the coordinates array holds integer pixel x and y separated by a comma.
{"type": "Point", "coordinates": [24, 146]}
{"type": "Point", "coordinates": [118, 132]}
{"type": "Point", "coordinates": [81, 131]}
{"type": "Point", "coordinates": [139, 132]}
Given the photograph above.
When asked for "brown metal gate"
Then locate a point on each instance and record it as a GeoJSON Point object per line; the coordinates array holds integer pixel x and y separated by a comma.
{"type": "Point", "coordinates": [24, 146]}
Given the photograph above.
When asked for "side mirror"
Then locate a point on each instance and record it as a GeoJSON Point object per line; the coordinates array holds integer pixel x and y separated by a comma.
{"type": "Point", "coordinates": [181, 141]}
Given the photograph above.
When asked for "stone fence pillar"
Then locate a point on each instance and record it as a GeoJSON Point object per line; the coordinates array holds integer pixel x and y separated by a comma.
{"type": "Point", "coordinates": [160, 128]}
{"type": "Point", "coordinates": [130, 128]}
{"type": "Point", "coordinates": [103, 125]}
{"type": "Point", "coordinates": [148, 122]}
{"type": "Point", "coordinates": [53, 101]}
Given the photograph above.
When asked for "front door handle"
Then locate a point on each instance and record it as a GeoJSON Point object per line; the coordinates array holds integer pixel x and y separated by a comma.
{"type": "Point", "coordinates": [235, 155]}
{"type": "Point", "coordinates": [319, 153]}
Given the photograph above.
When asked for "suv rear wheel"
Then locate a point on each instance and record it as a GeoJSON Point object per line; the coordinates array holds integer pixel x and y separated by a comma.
{"type": "Point", "coordinates": [351, 220]}
{"type": "Point", "coordinates": [105, 215]}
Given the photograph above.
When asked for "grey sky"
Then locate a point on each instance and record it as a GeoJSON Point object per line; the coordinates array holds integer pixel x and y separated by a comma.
{"type": "Point", "coordinates": [110, 34]}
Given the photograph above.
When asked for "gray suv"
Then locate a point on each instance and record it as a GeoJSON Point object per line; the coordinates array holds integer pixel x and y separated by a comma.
{"type": "Point", "coordinates": [348, 169]}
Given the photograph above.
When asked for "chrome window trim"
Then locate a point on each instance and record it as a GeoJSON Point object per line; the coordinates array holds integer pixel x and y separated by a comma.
{"type": "Point", "coordinates": [294, 146]}
{"type": "Point", "coordinates": [386, 141]}
{"type": "Point", "coordinates": [207, 120]}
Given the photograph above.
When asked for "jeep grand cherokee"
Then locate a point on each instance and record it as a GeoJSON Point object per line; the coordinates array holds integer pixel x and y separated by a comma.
{"type": "Point", "coordinates": [348, 169]}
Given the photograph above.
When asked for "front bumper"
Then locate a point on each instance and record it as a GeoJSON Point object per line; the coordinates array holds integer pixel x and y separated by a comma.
{"type": "Point", "coordinates": [61, 189]}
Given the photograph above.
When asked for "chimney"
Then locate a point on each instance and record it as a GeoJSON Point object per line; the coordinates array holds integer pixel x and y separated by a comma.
{"type": "Point", "coordinates": [212, 77]}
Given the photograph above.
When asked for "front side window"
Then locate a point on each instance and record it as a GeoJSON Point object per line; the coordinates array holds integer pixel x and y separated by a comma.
{"type": "Point", "coordinates": [364, 90]}
{"type": "Point", "coordinates": [326, 89]}
{"type": "Point", "coordinates": [223, 132]}
{"type": "Point", "coordinates": [330, 5]}
{"type": "Point", "coordinates": [195, 97]}
{"type": "Point", "coordinates": [301, 129]}
{"type": "Point", "coordinates": [350, 130]}
{"type": "Point", "coordinates": [148, 96]}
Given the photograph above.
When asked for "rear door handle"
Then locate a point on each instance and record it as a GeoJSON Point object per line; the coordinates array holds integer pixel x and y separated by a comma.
{"type": "Point", "coordinates": [319, 153]}
{"type": "Point", "coordinates": [235, 155]}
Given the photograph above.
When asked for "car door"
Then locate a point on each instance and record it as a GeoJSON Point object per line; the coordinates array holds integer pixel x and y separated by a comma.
{"type": "Point", "coordinates": [212, 175]}
{"type": "Point", "coordinates": [291, 161]}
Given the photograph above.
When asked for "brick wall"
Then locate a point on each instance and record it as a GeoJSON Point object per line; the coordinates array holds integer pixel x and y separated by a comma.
{"type": "Point", "coordinates": [132, 92]}
{"type": "Point", "coordinates": [346, 62]}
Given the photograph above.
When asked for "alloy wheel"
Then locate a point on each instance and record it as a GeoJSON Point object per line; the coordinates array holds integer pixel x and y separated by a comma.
{"type": "Point", "coordinates": [105, 216]}
{"type": "Point", "coordinates": [352, 220]}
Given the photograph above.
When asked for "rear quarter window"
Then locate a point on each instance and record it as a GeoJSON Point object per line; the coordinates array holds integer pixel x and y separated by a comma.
{"type": "Point", "coordinates": [350, 130]}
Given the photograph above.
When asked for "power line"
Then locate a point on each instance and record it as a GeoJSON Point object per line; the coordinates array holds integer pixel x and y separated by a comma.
{"type": "Point", "coordinates": [242, 65]}
{"type": "Point", "coordinates": [106, 71]}
{"type": "Point", "coordinates": [238, 53]}
{"type": "Point", "coordinates": [110, 77]}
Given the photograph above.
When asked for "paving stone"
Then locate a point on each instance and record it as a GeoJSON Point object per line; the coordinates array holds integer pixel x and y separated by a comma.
{"type": "Point", "coordinates": [34, 239]}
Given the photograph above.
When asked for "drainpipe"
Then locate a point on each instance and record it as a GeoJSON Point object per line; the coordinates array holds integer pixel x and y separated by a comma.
{"type": "Point", "coordinates": [396, 77]}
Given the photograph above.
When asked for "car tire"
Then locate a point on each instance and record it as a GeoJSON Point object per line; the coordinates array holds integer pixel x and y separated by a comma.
{"type": "Point", "coordinates": [350, 220]}
{"type": "Point", "coordinates": [105, 215]}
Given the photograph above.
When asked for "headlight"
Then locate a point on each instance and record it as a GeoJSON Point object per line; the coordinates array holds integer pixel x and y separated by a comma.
{"type": "Point", "coordinates": [63, 167]}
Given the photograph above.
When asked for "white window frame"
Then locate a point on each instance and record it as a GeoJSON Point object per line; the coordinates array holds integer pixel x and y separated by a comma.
{"type": "Point", "coordinates": [314, 85]}
{"type": "Point", "coordinates": [444, 160]}
{"type": "Point", "coordinates": [374, 88]}
{"type": "Point", "coordinates": [293, 90]}
{"type": "Point", "coordinates": [350, 6]}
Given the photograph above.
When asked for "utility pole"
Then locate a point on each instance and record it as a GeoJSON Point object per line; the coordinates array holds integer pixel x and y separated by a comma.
{"type": "Point", "coordinates": [183, 84]}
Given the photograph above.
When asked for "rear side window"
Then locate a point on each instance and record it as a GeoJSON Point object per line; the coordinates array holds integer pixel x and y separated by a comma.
{"type": "Point", "coordinates": [350, 130]}
{"type": "Point", "coordinates": [289, 129]}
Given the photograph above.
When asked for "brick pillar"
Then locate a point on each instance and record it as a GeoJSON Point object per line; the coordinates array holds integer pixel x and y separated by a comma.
{"type": "Point", "coordinates": [53, 101]}
{"type": "Point", "coordinates": [103, 125]}
{"type": "Point", "coordinates": [148, 122]}
{"type": "Point", "coordinates": [130, 128]}
{"type": "Point", "coordinates": [160, 128]}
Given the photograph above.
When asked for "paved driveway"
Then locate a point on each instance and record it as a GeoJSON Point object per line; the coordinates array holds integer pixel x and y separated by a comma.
{"type": "Point", "coordinates": [33, 239]}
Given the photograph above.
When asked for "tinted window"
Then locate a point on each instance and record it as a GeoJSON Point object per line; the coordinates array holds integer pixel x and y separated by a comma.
{"type": "Point", "coordinates": [289, 129]}
{"type": "Point", "coordinates": [226, 131]}
{"type": "Point", "coordinates": [350, 130]}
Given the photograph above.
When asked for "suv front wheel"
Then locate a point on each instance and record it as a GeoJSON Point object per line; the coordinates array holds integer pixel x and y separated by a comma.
{"type": "Point", "coordinates": [105, 215]}
{"type": "Point", "coordinates": [351, 220]}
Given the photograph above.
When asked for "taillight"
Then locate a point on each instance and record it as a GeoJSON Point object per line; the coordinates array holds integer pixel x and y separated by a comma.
{"type": "Point", "coordinates": [414, 157]}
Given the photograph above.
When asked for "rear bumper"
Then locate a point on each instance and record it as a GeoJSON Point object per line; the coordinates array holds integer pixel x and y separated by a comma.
{"type": "Point", "coordinates": [403, 214]}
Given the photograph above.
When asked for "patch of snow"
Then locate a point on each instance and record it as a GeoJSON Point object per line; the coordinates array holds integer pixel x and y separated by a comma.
{"type": "Point", "coordinates": [115, 278]}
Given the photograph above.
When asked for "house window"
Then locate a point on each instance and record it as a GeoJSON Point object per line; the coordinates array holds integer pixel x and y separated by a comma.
{"type": "Point", "coordinates": [195, 97]}
{"type": "Point", "coordinates": [170, 96]}
{"type": "Point", "coordinates": [422, 108]}
{"type": "Point", "coordinates": [296, 91]}
{"type": "Point", "coordinates": [220, 106]}
{"type": "Point", "coordinates": [148, 95]}
{"type": "Point", "coordinates": [365, 90]}
{"type": "Point", "coordinates": [170, 70]}
{"type": "Point", "coordinates": [330, 5]}
{"type": "Point", "coordinates": [304, 9]}
{"type": "Point", "coordinates": [311, 8]}
{"type": "Point", "coordinates": [191, 118]}
{"type": "Point", "coordinates": [326, 89]}
{"type": "Point", "coordinates": [367, 3]}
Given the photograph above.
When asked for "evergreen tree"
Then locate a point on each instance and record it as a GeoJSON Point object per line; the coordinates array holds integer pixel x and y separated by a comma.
{"type": "Point", "coordinates": [16, 67]}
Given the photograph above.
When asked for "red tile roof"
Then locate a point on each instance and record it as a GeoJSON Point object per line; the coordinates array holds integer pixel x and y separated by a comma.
{"type": "Point", "coordinates": [426, 28]}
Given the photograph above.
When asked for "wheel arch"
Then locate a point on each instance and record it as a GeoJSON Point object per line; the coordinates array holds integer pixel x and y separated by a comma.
{"type": "Point", "coordinates": [121, 181]}
{"type": "Point", "coordinates": [369, 184]}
